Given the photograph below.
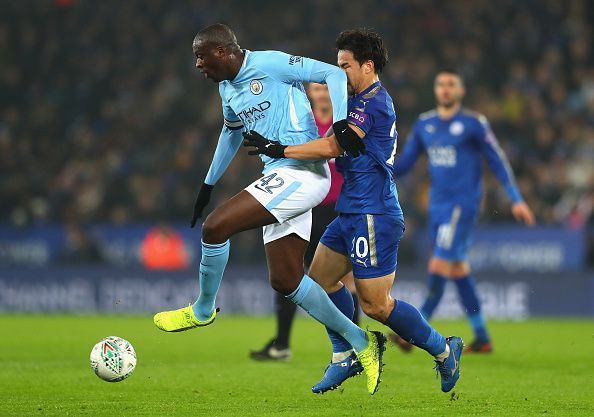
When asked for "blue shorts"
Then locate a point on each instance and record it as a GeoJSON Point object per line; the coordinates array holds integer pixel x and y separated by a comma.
{"type": "Point", "coordinates": [370, 240]}
{"type": "Point", "coordinates": [451, 232]}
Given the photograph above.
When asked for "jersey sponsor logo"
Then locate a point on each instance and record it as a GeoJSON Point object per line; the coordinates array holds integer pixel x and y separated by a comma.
{"type": "Point", "coordinates": [357, 116]}
{"type": "Point", "coordinates": [294, 59]}
{"type": "Point", "coordinates": [442, 156]}
{"type": "Point", "coordinates": [254, 113]}
{"type": "Point", "coordinates": [256, 87]}
{"type": "Point", "coordinates": [456, 128]}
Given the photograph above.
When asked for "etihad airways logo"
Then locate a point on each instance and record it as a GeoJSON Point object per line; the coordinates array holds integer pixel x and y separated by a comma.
{"type": "Point", "coordinates": [254, 113]}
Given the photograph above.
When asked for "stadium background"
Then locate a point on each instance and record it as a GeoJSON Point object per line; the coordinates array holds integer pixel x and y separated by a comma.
{"type": "Point", "coordinates": [107, 130]}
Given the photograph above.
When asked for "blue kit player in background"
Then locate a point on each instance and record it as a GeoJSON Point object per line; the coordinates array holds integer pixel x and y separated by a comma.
{"type": "Point", "coordinates": [364, 237]}
{"type": "Point", "coordinates": [455, 140]}
{"type": "Point", "coordinates": [263, 90]}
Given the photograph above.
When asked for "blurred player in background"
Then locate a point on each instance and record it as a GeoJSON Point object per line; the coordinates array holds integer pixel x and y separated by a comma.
{"type": "Point", "coordinates": [279, 347]}
{"type": "Point", "coordinates": [263, 90]}
{"type": "Point", "coordinates": [364, 237]}
{"type": "Point", "coordinates": [455, 139]}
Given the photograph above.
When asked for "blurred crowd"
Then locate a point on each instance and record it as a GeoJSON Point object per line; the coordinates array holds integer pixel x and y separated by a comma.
{"type": "Point", "coordinates": [103, 116]}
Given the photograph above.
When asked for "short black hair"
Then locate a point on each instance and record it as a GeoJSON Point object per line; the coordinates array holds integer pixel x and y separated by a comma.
{"type": "Point", "coordinates": [452, 71]}
{"type": "Point", "coordinates": [218, 34]}
{"type": "Point", "coordinates": [366, 45]}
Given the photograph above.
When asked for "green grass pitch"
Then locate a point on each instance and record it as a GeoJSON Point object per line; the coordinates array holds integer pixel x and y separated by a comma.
{"type": "Point", "coordinates": [540, 367]}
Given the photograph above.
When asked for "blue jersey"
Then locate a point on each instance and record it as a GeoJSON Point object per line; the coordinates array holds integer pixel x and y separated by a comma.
{"type": "Point", "coordinates": [368, 186]}
{"type": "Point", "coordinates": [454, 148]}
{"type": "Point", "coordinates": [267, 96]}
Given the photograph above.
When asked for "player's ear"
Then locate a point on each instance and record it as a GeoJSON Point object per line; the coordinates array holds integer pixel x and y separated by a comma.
{"type": "Point", "coordinates": [219, 51]}
{"type": "Point", "coordinates": [369, 67]}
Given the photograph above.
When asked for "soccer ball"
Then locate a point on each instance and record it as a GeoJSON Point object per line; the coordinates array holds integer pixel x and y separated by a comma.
{"type": "Point", "coordinates": [113, 359]}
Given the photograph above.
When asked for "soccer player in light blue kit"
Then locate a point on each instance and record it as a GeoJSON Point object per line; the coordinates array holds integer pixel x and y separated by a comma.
{"type": "Point", "coordinates": [455, 140]}
{"type": "Point", "coordinates": [263, 90]}
{"type": "Point", "coordinates": [364, 237]}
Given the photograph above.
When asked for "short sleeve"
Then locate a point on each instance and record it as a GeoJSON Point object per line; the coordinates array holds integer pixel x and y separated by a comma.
{"type": "Point", "coordinates": [361, 118]}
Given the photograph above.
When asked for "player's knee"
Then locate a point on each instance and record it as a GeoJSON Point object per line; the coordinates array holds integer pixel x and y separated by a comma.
{"type": "Point", "coordinates": [213, 230]}
{"type": "Point", "coordinates": [377, 311]}
{"type": "Point", "coordinates": [283, 286]}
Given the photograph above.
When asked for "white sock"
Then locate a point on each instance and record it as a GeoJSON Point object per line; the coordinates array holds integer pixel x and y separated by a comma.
{"type": "Point", "coordinates": [443, 355]}
{"type": "Point", "coordinates": [340, 356]}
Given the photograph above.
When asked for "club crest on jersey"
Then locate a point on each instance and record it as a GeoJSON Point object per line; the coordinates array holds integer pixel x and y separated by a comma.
{"type": "Point", "coordinates": [456, 128]}
{"type": "Point", "coordinates": [256, 87]}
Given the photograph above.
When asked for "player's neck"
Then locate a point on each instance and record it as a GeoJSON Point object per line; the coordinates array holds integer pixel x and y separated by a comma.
{"type": "Point", "coordinates": [448, 112]}
{"type": "Point", "coordinates": [236, 63]}
{"type": "Point", "coordinates": [368, 83]}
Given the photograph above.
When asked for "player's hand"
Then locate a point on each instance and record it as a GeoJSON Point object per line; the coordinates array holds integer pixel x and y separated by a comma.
{"type": "Point", "coordinates": [271, 148]}
{"type": "Point", "coordinates": [201, 202]}
{"type": "Point", "coordinates": [348, 139]}
{"type": "Point", "coordinates": [522, 213]}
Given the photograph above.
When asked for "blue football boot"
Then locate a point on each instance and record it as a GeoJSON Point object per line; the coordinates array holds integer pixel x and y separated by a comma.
{"type": "Point", "coordinates": [338, 372]}
{"type": "Point", "coordinates": [450, 368]}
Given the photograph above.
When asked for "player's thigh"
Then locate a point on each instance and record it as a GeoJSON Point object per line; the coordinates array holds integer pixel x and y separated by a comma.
{"type": "Point", "coordinates": [241, 212]}
{"type": "Point", "coordinates": [328, 267]}
{"type": "Point", "coordinates": [448, 268]}
{"type": "Point", "coordinates": [285, 262]}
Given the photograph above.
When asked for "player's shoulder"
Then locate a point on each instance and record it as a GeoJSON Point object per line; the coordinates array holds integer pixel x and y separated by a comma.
{"type": "Point", "coordinates": [427, 116]}
{"type": "Point", "coordinates": [270, 57]}
{"type": "Point", "coordinates": [473, 116]}
{"type": "Point", "coordinates": [376, 100]}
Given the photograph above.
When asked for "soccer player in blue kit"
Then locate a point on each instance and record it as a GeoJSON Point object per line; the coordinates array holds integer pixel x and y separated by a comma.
{"type": "Point", "coordinates": [455, 139]}
{"type": "Point", "coordinates": [364, 237]}
{"type": "Point", "coordinates": [263, 90]}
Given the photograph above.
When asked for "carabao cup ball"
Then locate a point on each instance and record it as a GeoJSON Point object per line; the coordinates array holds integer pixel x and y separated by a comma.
{"type": "Point", "coordinates": [113, 359]}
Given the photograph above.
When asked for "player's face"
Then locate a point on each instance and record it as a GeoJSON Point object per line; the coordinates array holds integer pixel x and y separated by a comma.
{"type": "Point", "coordinates": [355, 72]}
{"type": "Point", "coordinates": [318, 94]}
{"type": "Point", "coordinates": [210, 60]}
{"type": "Point", "coordinates": [449, 90]}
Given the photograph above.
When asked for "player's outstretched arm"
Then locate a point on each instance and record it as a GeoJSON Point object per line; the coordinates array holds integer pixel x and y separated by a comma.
{"type": "Point", "coordinates": [523, 214]}
{"type": "Point", "coordinates": [322, 148]}
{"type": "Point", "coordinates": [412, 150]}
{"type": "Point", "coordinates": [501, 168]}
{"type": "Point", "coordinates": [290, 68]}
{"type": "Point", "coordinates": [229, 142]}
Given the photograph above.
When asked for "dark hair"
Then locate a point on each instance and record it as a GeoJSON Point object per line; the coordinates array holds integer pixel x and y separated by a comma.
{"type": "Point", "coordinates": [366, 45]}
{"type": "Point", "coordinates": [451, 71]}
{"type": "Point", "coordinates": [219, 34]}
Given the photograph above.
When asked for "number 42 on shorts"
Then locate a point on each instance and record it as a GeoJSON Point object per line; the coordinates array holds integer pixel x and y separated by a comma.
{"type": "Point", "coordinates": [270, 182]}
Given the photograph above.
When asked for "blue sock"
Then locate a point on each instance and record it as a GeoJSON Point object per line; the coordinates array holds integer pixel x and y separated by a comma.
{"type": "Point", "coordinates": [343, 300]}
{"type": "Point", "coordinates": [212, 265]}
{"type": "Point", "coordinates": [472, 306]}
{"type": "Point", "coordinates": [313, 299]}
{"type": "Point", "coordinates": [408, 322]}
{"type": "Point", "coordinates": [436, 286]}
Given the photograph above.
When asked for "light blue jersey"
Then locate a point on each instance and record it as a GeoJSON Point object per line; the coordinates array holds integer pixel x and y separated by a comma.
{"type": "Point", "coordinates": [268, 96]}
